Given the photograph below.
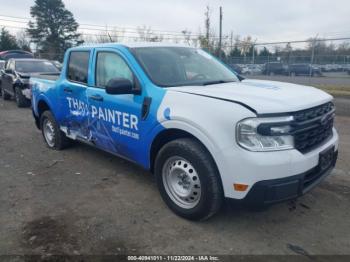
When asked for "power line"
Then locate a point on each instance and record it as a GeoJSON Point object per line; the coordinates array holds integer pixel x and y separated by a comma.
{"type": "Point", "coordinates": [105, 35]}
{"type": "Point", "coordinates": [178, 36]}
{"type": "Point", "coordinates": [303, 41]}
{"type": "Point", "coordinates": [129, 29]}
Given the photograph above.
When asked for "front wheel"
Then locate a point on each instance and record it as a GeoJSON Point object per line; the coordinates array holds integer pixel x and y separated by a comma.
{"type": "Point", "coordinates": [188, 179]}
{"type": "Point", "coordinates": [53, 136]}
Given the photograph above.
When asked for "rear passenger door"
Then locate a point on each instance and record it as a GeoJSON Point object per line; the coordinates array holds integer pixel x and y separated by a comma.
{"type": "Point", "coordinates": [74, 106]}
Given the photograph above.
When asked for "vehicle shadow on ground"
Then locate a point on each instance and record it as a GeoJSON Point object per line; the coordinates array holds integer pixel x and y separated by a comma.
{"type": "Point", "coordinates": [229, 212]}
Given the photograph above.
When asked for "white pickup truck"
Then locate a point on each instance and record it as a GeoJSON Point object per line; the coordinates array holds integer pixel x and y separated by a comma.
{"type": "Point", "coordinates": [206, 133]}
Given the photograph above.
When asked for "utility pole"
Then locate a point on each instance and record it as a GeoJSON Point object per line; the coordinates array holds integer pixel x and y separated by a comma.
{"type": "Point", "coordinates": [220, 33]}
{"type": "Point", "coordinates": [312, 54]}
{"type": "Point", "coordinates": [253, 62]}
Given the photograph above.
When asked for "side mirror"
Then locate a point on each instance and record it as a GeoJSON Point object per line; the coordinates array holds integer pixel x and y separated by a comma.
{"type": "Point", "coordinates": [240, 78]}
{"type": "Point", "coordinates": [121, 86]}
{"type": "Point", "coordinates": [9, 71]}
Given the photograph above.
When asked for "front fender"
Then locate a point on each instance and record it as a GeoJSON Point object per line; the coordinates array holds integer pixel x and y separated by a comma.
{"type": "Point", "coordinates": [195, 130]}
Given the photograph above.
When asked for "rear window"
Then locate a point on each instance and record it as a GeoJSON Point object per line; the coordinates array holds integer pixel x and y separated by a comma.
{"type": "Point", "coordinates": [31, 66]}
{"type": "Point", "coordinates": [78, 66]}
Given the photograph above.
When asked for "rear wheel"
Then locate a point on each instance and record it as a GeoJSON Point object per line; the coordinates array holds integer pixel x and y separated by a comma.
{"type": "Point", "coordinates": [53, 136]}
{"type": "Point", "coordinates": [21, 100]}
{"type": "Point", "coordinates": [188, 179]}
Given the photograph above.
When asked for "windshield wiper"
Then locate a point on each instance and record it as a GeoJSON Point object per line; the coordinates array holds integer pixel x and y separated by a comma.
{"type": "Point", "coordinates": [214, 82]}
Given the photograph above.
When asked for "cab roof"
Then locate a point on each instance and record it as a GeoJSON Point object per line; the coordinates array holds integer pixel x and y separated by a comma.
{"type": "Point", "coordinates": [28, 59]}
{"type": "Point", "coordinates": [134, 45]}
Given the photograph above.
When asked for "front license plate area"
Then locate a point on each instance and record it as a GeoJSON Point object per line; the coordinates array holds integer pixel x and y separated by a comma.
{"type": "Point", "coordinates": [326, 159]}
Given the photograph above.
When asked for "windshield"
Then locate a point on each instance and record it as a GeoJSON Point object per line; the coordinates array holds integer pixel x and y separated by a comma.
{"type": "Point", "coordinates": [35, 67]}
{"type": "Point", "coordinates": [181, 66]}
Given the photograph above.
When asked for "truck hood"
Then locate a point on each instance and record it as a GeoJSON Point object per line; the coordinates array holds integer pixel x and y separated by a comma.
{"type": "Point", "coordinates": [262, 96]}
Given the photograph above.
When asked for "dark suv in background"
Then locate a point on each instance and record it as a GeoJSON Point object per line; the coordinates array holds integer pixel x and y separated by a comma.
{"type": "Point", "coordinates": [304, 69]}
{"type": "Point", "coordinates": [274, 68]}
{"type": "Point", "coordinates": [6, 55]}
{"type": "Point", "coordinates": [15, 78]}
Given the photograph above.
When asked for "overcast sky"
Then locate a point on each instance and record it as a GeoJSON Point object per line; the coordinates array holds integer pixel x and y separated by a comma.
{"type": "Point", "coordinates": [265, 20]}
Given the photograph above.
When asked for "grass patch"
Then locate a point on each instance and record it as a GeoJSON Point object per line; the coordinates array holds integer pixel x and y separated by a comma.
{"type": "Point", "coordinates": [335, 90]}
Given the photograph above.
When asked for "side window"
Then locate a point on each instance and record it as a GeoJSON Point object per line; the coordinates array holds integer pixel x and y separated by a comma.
{"type": "Point", "coordinates": [11, 65]}
{"type": "Point", "coordinates": [78, 66]}
{"type": "Point", "coordinates": [110, 65]}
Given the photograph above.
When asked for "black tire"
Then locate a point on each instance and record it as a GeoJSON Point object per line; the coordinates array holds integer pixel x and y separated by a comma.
{"type": "Point", "coordinates": [21, 100]}
{"type": "Point", "coordinates": [59, 141]}
{"type": "Point", "coordinates": [211, 196]}
{"type": "Point", "coordinates": [5, 95]}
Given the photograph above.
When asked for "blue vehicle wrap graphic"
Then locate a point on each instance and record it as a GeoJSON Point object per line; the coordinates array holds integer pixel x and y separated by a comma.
{"type": "Point", "coordinates": [115, 123]}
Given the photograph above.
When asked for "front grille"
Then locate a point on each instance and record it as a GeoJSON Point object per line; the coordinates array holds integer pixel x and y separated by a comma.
{"type": "Point", "coordinates": [312, 127]}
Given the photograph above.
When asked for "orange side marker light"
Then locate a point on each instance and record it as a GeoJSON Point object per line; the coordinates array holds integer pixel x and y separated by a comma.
{"type": "Point", "coordinates": [240, 187]}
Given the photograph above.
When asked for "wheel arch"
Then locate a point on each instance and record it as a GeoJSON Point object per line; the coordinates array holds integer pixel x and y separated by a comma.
{"type": "Point", "coordinates": [172, 133]}
{"type": "Point", "coordinates": [41, 107]}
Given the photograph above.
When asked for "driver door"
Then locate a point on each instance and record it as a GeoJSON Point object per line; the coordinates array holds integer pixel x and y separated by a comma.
{"type": "Point", "coordinates": [8, 77]}
{"type": "Point", "coordinates": [114, 120]}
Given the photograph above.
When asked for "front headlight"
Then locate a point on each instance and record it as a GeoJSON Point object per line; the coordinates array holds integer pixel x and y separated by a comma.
{"type": "Point", "coordinates": [265, 134]}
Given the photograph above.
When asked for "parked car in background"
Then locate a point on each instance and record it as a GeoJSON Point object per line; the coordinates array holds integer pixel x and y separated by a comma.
{"type": "Point", "coordinates": [331, 68]}
{"type": "Point", "coordinates": [251, 69]}
{"type": "Point", "coordinates": [274, 68]}
{"type": "Point", "coordinates": [304, 69]}
{"type": "Point", "coordinates": [236, 68]}
{"type": "Point", "coordinates": [57, 64]}
{"type": "Point", "coordinates": [15, 78]}
{"type": "Point", "coordinates": [6, 55]}
{"type": "Point", "coordinates": [2, 67]}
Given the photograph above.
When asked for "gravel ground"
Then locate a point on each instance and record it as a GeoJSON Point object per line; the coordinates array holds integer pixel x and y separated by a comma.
{"type": "Point", "coordinates": [84, 201]}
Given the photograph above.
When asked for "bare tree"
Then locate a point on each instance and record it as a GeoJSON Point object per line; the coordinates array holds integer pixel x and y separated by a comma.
{"type": "Point", "coordinates": [146, 34]}
{"type": "Point", "coordinates": [23, 40]}
{"type": "Point", "coordinates": [187, 36]}
{"type": "Point", "coordinates": [105, 36]}
{"type": "Point", "coordinates": [245, 46]}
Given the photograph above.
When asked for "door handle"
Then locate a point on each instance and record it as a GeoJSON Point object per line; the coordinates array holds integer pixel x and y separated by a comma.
{"type": "Point", "coordinates": [96, 98]}
{"type": "Point", "coordinates": [68, 90]}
